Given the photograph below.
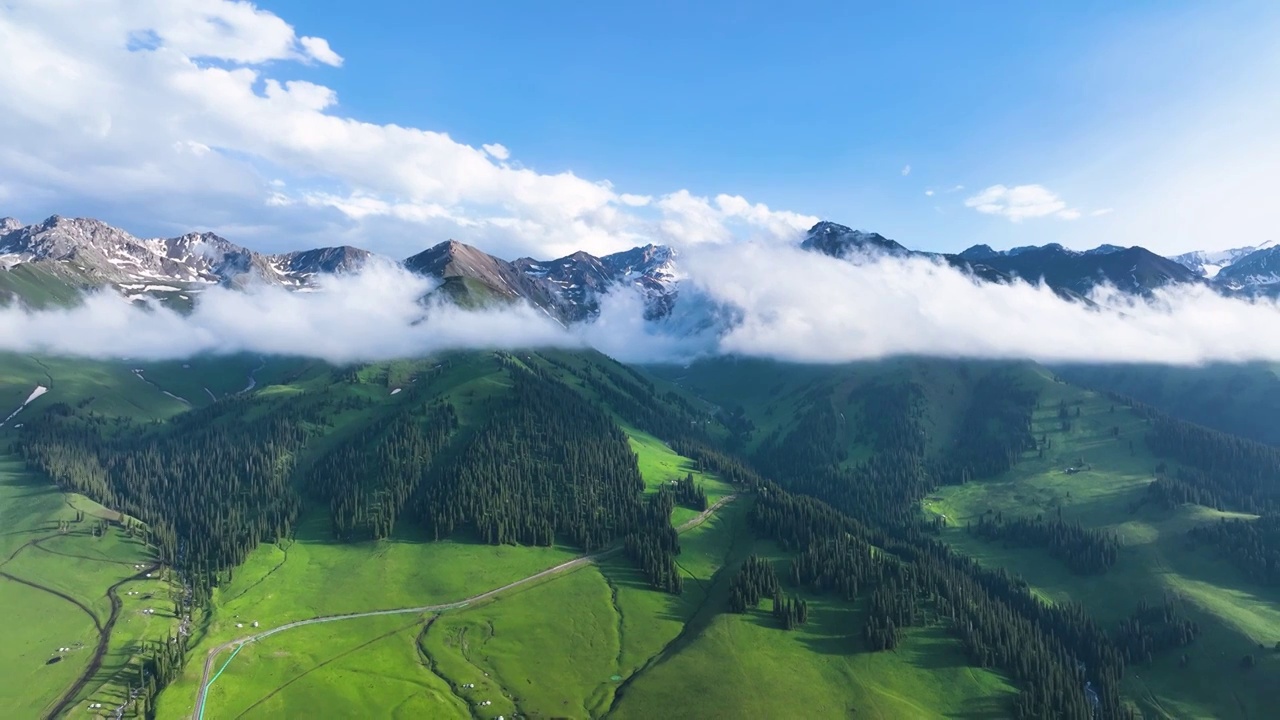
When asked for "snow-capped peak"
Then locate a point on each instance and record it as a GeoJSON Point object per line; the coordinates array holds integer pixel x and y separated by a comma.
{"type": "Point", "coordinates": [101, 254]}
{"type": "Point", "coordinates": [1208, 263]}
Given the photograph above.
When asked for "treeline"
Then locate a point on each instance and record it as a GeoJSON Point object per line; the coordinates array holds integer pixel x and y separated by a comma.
{"type": "Point", "coordinates": [708, 459]}
{"type": "Point", "coordinates": [1084, 551]}
{"type": "Point", "coordinates": [885, 488]}
{"type": "Point", "coordinates": [857, 532]}
{"type": "Point", "coordinates": [1224, 472]}
{"type": "Point", "coordinates": [1049, 651]}
{"type": "Point", "coordinates": [754, 581]}
{"type": "Point", "coordinates": [813, 459]}
{"type": "Point", "coordinates": [1151, 630]}
{"type": "Point", "coordinates": [689, 494]}
{"type": "Point", "coordinates": [894, 606]}
{"type": "Point", "coordinates": [1253, 546]}
{"type": "Point", "coordinates": [367, 480]}
{"type": "Point", "coordinates": [1215, 469]}
{"type": "Point", "coordinates": [547, 466]}
{"type": "Point", "coordinates": [636, 398]}
{"type": "Point", "coordinates": [653, 547]}
{"type": "Point", "coordinates": [161, 663]}
{"type": "Point", "coordinates": [993, 433]}
{"type": "Point", "coordinates": [215, 484]}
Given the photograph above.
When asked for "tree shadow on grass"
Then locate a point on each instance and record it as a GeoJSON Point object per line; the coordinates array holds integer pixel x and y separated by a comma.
{"type": "Point", "coordinates": [932, 648]}
{"type": "Point", "coordinates": [985, 708]}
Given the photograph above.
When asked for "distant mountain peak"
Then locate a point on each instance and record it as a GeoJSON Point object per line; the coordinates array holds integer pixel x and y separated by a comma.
{"type": "Point", "coordinates": [321, 261]}
{"type": "Point", "coordinates": [1254, 272]}
{"type": "Point", "coordinates": [472, 276]}
{"type": "Point", "coordinates": [1049, 248]}
{"type": "Point", "coordinates": [450, 259]}
{"type": "Point", "coordinates": [1104, 249]}
{"type": "Point", "coordinates": [980, 252]}
{"type": "Point", "coordinates": [1209, 263]}
{"type": "Point", "coordinates": [91, 253]}
{"type": "Point", "coordinates": [838, 240]}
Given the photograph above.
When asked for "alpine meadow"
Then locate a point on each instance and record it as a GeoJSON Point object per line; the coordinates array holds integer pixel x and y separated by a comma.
{"type": "Point", "coordinates": [318, 401]}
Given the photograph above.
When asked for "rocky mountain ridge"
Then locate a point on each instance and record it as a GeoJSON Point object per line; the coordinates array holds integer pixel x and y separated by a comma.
{"type": "Point", "coordinates": [85, 252]}
{"type": "Point", "coordinates": [99, 254]}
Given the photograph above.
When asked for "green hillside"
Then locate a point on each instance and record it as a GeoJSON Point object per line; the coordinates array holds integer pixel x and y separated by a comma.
{"type": "Point", "coordinates": [394, 486]}
{"type": "Point", "coordinates": [1155, 564]}
{"type": "Point", "coordinates": [1242, 399]}
{"type": "Point", "coordinates": [42, 285]}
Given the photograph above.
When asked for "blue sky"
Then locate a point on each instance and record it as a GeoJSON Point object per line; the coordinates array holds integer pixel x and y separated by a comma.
{"type": "Point", "coordinates": [1132, 123]}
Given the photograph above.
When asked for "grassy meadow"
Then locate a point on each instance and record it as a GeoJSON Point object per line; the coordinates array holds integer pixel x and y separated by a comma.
{"type": "Point", "coordinates": [539, 643]}
{"type": "Point", "coordinates": [56, 597]}
{"type": "Point", "coordinates": [366, 667]}
{"type": "Point", "coordinates": [1155, 561]}
{"type": "Point", "coordinates": [71, 571]}
{"type": "Point", "coordinates": [597, 640]}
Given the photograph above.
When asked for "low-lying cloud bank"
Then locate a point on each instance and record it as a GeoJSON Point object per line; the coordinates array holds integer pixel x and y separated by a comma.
{"type": "Point", "coordinates": [753, 300]}
{"type": "Point", "coordinates": [375, 314]}
{"type": "Point", "coordinates": [806, 307]}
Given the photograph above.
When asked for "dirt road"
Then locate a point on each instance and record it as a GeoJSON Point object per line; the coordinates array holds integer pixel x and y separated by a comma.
{"type": "Point", "coordinates": [205, 680]}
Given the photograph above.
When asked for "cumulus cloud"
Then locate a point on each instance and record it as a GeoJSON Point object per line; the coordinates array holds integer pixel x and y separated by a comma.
{"type": "Point", "coordinates": [906, 170]}
{"type": "Point", "coordinates": [753, 299]}
{"type": "Point", "coordinates": [180, 112]}
{"type": "Point", "coordinates": [928, 193]}
{"type": "Point", "coordinates": [1021, 202]}
{"type": "Point", "coordinates": [498, 151]}
{"type": "Point", "coordinates": [318, 49]}
{"type": "Point", "coordinates": [635, 200]}
{"type": "Point", "coordinates": [692, 219]}
{"type": "Point", "coordinates": [1101, 211]}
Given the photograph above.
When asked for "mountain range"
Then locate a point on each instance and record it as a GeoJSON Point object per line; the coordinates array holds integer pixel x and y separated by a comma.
{"type": "Point", "coordinates": [54, 260]}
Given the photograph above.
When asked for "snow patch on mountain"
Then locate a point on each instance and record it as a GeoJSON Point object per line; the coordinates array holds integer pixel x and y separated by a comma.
{"type": "Point", "coordinates": [1209, 263]}
{"type": "Point", "coordinates": [104, 255]}
{"type": "Point", "coordinates": [580, 280]}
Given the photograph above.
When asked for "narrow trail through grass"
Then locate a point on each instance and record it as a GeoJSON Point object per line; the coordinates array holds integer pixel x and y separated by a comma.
{"type": "Point", "coordinates": [201, 697]}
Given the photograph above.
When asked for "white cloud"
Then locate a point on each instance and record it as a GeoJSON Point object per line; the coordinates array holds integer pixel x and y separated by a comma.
{"type": "Point", "coordinates": [957, 188]}
{"type": "Point", "coordinates": [1101, 211]}
{"type": "Point", "coordinates": [757, 299]}
{"type": "Point", "coordinates": [928, 193]}
{"type": "Point", "coordinates": [190, 146]}
{"type": "Point", "coordinates": [906, 170]}
{"type": "Point", "coordinates": [366, 316]}
{"type": "Point", "coordinates": [693, 219]}
{"type": "Point", "coordinates": [498, 151]}
{"type": "Point", "coordinates": [92, 112]}
{"type": "Point", "coordinates": [318, 48]}
{"type": "Point", "coordinates": [635, 200]}
{"type": "Point", "coordinates": [1021, 202]}
{"type": "Point", "coordinates": [801, 306]}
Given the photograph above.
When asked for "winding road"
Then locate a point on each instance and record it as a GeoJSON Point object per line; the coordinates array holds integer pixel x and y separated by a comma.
{"type": "Point", "coordinates": [206, 680]}
{"type": "Point", "coordinates": [104, 639]}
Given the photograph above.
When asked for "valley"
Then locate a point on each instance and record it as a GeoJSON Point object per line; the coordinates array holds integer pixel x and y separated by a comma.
{"type": "Point", "coordinates": [624, 361]}
{"type": "Point", "coordinates": [439, 625]}
{"type": "Point", "coordinates": [1155, 564]}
